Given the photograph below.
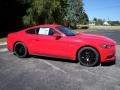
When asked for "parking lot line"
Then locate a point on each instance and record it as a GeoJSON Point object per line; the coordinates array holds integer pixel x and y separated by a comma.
{"type": "Point", "coordinates": [53, 66]}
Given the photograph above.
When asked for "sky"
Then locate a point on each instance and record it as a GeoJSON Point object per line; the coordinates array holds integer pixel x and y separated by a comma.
{"type": "Point", "coordinates": [103, 9]}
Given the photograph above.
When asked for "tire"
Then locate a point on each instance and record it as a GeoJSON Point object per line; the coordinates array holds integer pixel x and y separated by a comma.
{"type": "Point", "coordinates": [88, 56]}
{"type": "Point", "coordinates": [20, 50]}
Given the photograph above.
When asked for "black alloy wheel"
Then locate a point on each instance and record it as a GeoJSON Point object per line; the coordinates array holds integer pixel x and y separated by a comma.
{"type": "Point", "coordinates": [20, 50]}
{"type": "Point", "coordinates": [88, 56]}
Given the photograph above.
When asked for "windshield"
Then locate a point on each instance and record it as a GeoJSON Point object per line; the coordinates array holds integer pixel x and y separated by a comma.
{"type": "Point", "coordinates": [66, 31]}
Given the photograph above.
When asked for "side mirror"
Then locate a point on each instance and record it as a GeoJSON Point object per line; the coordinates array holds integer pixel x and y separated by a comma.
{"type": "Point", "coordinates": [57, 36]}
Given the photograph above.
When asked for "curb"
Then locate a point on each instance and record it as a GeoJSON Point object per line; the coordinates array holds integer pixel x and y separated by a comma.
{"type": "Point", "coordinates": [3, 50]}
{"type": "Point", "coordinates": [3, 43]}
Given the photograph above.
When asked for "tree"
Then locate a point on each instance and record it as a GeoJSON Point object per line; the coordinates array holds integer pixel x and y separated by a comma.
{"type": "Point", "coordinates": [114, 23]}
{"type": "Point", "coordinates": [74, 11]}
{"type": "Point", "coordinates": [84, 20]}
{"type": "Point", "coordinates": [94, 19]}
{"type": "Point", "coordinates": [55, 11]}
{"type": "Point", "coordinates": [45, 11]}
{"type": "Point", "coordinates": [98, 21]}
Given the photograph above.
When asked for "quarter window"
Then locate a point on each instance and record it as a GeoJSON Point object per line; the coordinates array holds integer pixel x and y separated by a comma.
{"type": "Point", "coordinates": [31, 31]}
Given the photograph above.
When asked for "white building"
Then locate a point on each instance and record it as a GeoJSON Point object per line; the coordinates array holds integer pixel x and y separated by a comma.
{"type": "Point", "coordinates": [106, 23]}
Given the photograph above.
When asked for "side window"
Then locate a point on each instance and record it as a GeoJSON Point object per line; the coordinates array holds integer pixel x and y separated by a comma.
{"type": "Point", "coordinates": [44, 31]}
{"type": "Point", "coordinates": [41, 31]}
{"type": "Point", "coordinates": [51, 32]}
{"type": "Point", "coordinates": [31, 31]}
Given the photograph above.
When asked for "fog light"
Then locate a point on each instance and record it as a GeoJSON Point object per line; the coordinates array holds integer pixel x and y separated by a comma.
{"type": "Point", "coordinates": [110, 56]}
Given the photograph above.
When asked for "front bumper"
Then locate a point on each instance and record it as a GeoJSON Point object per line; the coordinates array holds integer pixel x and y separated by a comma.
{"type": "Point", "coordinates": [108, 54]}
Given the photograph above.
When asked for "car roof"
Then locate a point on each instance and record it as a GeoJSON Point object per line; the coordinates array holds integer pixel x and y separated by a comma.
{"type": "Point", "coordinates": [46, 25]}
{"type": "Point", "coordinates": [50, 25]}
{"type": "Point", "coordinates": [43, 25]}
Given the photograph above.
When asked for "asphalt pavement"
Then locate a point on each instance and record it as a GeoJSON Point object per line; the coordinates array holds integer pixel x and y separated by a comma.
{"type": "Point", "coordinates": [41, 73]}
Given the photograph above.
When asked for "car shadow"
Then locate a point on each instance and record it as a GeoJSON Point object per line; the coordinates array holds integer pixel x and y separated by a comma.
{"type": "Point", "coordinates": [111, 63]}
{"type": "Point", "coordinates": [55, 59]}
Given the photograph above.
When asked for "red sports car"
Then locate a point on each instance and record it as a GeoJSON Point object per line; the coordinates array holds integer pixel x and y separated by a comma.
{"type": "Point", "coordinates": [61, 42]}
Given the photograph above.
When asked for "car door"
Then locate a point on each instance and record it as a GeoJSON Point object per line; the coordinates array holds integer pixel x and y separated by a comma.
{"type": "Point", "coordinates": [45, 43]}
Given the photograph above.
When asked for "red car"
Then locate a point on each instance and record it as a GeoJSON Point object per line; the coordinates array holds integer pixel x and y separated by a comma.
{"type": "Point", "coordinates": [61, 42]}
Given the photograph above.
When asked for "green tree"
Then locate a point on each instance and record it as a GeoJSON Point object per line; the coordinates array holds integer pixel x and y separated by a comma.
{"type": "Point", "coordinates": [114, 23]}
{"type": "Point", "coordinates": [45, 11]}
{"type": "Point", "coordinates": [84, 20]}
{"type": "Point", "coordinates": [55, 11]}
{"type": "Point", "coordinates": [94, 19]}
{"type": "Point", "coordinates": [98, 21]}
{"type": "Point", "coordinates": [74, 11]}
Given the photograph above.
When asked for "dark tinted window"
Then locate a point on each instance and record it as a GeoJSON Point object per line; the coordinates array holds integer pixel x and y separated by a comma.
{"type": "Point", "coordinates": [32, 31]}
{"type": "Point", "coordinates": [51, 32]}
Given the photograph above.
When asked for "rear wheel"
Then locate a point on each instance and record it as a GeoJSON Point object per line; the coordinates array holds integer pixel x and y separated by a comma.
{"type": "Point", "coordinates": [88, 56]}
{"type": "Point", "coordinates": [20, 50]}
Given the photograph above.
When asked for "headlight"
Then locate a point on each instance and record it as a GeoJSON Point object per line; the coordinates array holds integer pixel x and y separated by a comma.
{"type": "Point", "coordinates": [106, 45]}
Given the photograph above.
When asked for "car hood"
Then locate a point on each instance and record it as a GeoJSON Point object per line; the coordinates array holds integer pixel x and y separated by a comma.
{"type": "Point", "coordinates": [94, 38]}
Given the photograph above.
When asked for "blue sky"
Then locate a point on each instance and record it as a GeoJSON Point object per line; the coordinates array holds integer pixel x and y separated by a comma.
{"type": "Point", "coordinates": [104, 9]}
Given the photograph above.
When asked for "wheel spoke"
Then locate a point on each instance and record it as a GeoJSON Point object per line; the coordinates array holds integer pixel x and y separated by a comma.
{"type": "Point", "coordinates": [20, 50]}
{"type": "Point", "coordinates": [88, 57]}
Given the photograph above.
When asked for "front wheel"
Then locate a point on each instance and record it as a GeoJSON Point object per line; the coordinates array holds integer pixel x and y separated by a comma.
{"type": "Point", "coordinates": [20, 50]}
{"type": "Point", "coordinates": [88, 56]}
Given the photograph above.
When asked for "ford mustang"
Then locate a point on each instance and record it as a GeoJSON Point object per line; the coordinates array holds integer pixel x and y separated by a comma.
{"type": "Point", "coordinates": [61, 42]}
